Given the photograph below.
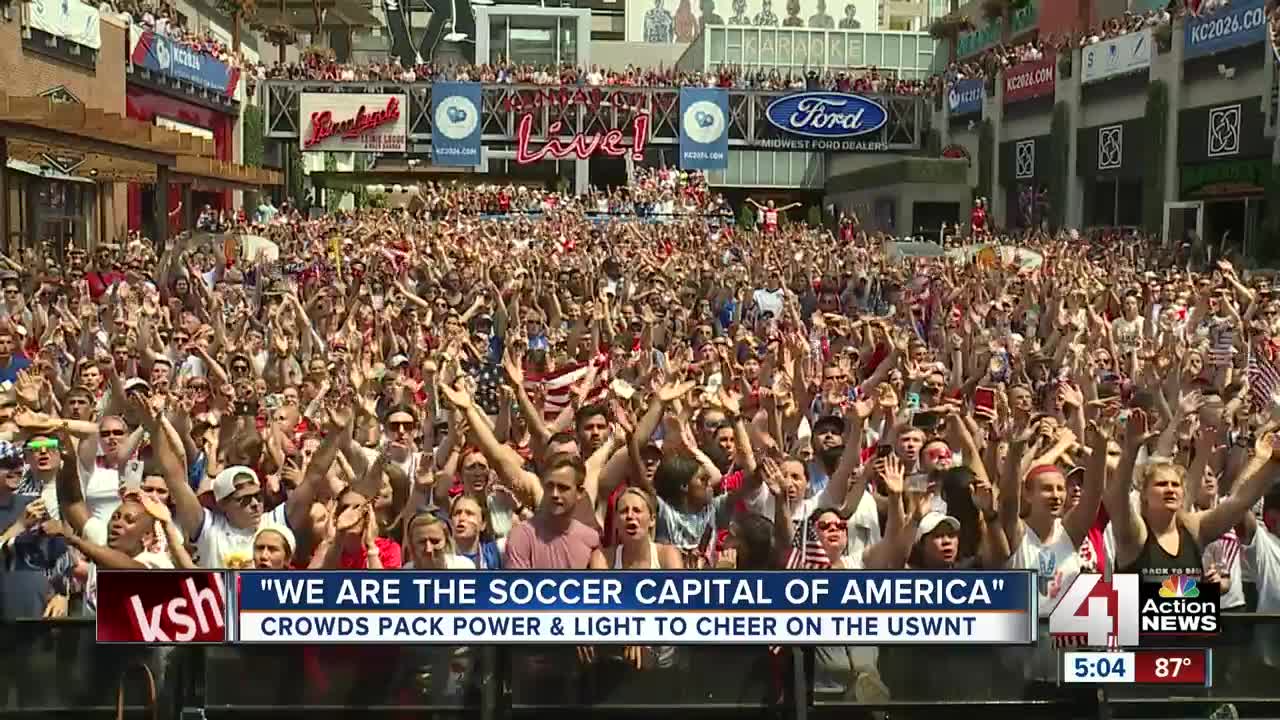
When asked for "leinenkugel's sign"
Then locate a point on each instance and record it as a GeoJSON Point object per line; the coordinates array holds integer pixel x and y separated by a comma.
{"type": "Point", "coordinates": [353, 122]}
{"type": "Point", "coordinates": [825, 121]}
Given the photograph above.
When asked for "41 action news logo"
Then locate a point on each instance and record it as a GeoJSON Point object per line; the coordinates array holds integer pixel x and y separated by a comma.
{"type": "Point", "coordinates": [1126, 612]}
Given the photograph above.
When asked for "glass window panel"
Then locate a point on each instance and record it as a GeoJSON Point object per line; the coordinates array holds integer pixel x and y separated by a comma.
{"type": "Point", "coordinates": [838, 42]}
{"type": "Point", "coordinates": [717, 39]}
{"type": "Point", "coordinates": [909, 57]}
{"type": "Point", "coordinates": [768, 47]}
{"type": "Point", "coordinates": [733, 56]}
{"type": "Point", "coordinates": [892, 51]}
{"type": "Point", "coordinates": [569, 41]}
{"type": "Point", "coordinates": [818, 49]}
{"type": "Point", "coordinates": [497, 38]}
{"type": "Point", "coordinates": [873, 51]}
{"type": "Point", "coordinates": [856, 56]}
{"type": "Point", "coordinates": [533, 40]}
{"type": "Point", "coordinates": [799, 49]}
{"type": "Point", "coordinates": [784, 49]}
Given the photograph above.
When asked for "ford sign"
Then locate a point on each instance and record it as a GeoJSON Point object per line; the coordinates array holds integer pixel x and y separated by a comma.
{"type": "Point", "coordinates": [826, 114]}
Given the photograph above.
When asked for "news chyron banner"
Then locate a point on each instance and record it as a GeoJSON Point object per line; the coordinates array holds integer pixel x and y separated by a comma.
{"type": "Point", "coordinates": [704, 129]}
{"type": "Point", "coordinates": [573, 608]}
{"type": "Point", "coordinates": [1128, 612]}
{"type": "Point", "coordinates": [478, 607]}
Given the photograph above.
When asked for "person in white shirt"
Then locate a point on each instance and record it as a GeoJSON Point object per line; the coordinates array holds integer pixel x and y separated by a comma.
{"type": "Point", "coordinates": [224, 536]}
{"type": "Point", "coordinates": [273, 547]}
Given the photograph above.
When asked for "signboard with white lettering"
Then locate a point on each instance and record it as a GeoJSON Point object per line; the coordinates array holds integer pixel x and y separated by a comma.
{"type": "Point", "coordinates": [1243, 23]}
{"type": "Point", "coordinates": [1118, 56]}
{"type": "Point", "coordinates": [353, 122]}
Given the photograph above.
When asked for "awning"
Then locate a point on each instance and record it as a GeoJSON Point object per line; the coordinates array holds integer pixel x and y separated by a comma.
{"type": "Point", "coordinates": [27, 168]}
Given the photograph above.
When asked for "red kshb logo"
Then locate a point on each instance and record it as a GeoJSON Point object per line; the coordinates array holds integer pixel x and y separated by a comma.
{"type": "Point", "coordinates": [323, 126]}
{"type": "Point", "coordinates": [162, 607]}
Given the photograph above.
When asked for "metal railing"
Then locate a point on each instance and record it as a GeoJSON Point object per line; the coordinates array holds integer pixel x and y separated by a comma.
{"type": "Point", "coordinates": [56, 669]}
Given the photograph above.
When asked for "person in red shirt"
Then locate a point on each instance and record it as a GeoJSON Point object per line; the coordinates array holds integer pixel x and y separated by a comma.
{"type": "Point", "coordinates": [978, 218]}
{"type": "Point", "coordinates": [357, 545]}
{"type": "Point", "coordinates": [769, 214]}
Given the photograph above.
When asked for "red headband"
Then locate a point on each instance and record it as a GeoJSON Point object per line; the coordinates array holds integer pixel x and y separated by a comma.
{"type": "Point", "coordinates": [1042, 469]}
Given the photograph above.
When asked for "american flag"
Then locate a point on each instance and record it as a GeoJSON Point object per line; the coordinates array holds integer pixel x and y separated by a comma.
{"type": "Point", "coordinates": [557, 385]}
{"type": "Point", "coordinates": [1263, 378]}
{"type": "Point", "coordinates": [806, 551]}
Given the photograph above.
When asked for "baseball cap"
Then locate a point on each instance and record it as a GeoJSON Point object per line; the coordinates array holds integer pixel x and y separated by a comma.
{"type": "Point", "coordinates": [931, 521]}
{"type": "Point", "coordinates": [289, 540]}
{"type": "Point", "coordinates": [136, 384]}
{"type": "Point", "coordinates": [232, 479]}
{"type": "Point", "coordinates": [397, 360]}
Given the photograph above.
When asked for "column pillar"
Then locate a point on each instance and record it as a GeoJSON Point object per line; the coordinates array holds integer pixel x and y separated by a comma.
{"type": "Point", "coordinates": [161, 207]}
{"type": "Point", "coordinates": [1169, 66]}
{"type": "Point", "coordinates": [188, 208]}
{"type": "Point", "coordinates": [4, 194]}
{"type": "Point", "coordinates": [1069, 91]}
{"type": "Point", "coordinates": [996, 210]}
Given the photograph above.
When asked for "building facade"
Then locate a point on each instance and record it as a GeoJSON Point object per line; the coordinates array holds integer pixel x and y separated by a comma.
{"type": "Point", "coordinates": [1170, 127]}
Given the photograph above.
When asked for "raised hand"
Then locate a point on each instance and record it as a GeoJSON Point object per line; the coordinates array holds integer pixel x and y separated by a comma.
{"type": "Point", "coordinates": [892, 475]}
{"type": "Point", "coordinates": [674, 390]}
{"type": "Point", "coordinates": [771, 475]}
{"type": "Point", "coordinates": [457, 395]}
{"type": "Point", "coordinates": [157, 510]}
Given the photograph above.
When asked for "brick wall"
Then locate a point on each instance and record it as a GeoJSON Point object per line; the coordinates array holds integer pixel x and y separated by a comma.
{"type": "Point", "coordinates": [28, 73]}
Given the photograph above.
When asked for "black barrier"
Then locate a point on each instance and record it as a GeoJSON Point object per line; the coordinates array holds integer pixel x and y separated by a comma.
{"type": "Point", "coordinates": [55, 669]}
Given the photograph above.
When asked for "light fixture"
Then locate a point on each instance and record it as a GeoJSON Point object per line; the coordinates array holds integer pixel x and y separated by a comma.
{"type": "Point", "coordinates": [455, 37]}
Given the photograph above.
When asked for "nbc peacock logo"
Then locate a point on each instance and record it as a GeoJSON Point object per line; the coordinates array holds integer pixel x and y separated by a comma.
{"type": "Point", "coordinates": [1179, 586]}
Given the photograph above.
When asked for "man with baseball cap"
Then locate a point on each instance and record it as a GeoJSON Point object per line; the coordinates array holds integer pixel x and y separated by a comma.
{"type": "Point", "coordinates": [224, 534]}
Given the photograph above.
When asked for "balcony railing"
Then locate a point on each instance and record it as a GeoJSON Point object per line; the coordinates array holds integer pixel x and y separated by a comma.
{"type": "Point", "coordinates": [55, 669]}
{"type": "Point", "coordinates": [563, 112]}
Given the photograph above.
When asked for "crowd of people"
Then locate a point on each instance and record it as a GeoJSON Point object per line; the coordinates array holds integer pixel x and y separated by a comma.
{"type": "Point", "coordinates": [326, 68]}
{"type": "Point", "coordinates": [162, 18]}
{"type": "Point", "coordinates": [990, 62]}
{"type": "Point", "coordinates": [432, 388]}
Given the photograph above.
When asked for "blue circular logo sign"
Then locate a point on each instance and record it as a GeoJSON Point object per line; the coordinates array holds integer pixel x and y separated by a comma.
{"type": "Point", "coordinates": [826, 114]}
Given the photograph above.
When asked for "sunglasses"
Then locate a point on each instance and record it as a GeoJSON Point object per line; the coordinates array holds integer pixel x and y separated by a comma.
{"type": "Point", "coordinates": [113, 433]}
{"type": "Point", "coordinates": [39, 445]}
{"type": "Point", "coordinates": [833, 525]}
{"type": "Point", "coordinates": [248, 501]}
{"type": "Point", "coordinates": [398, 425]}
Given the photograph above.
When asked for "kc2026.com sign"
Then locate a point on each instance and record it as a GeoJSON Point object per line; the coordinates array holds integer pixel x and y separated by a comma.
{"type": "Point", "coordinates": [353, 122]}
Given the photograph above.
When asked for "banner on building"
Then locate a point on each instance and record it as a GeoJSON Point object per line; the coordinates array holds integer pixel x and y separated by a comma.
{"type": "Point", "coordinates": [704, 129]}
{"type": "Point", "coordinates": [352, 122]}
{"type": "Point", "coordinates": [1030, 80]}
{"type": "Point", "coordinates": [1243, 23]}
{"type": "Point", "coordinates": [162, 55]}
{"type": "Point", "coordinates": [68, 19]}
{"type": "Point", "coordinates": [1118, 56]}
{"type": "Point", "coordinates": [965, 97]}
{"type": "Point", "coordinates": [455, 124]}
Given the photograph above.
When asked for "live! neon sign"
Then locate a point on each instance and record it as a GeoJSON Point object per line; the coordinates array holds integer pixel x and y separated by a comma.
{"type": "Point", "coordinates": [581, 146]}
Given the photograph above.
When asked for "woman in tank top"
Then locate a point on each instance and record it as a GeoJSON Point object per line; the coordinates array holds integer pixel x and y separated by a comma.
{"type": "Point", "coordinates": [635, 512]}
{"type": "Point", "coordinates": [1047, 537]}
{"type": "Point", "coordinates": [1162, 537]}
